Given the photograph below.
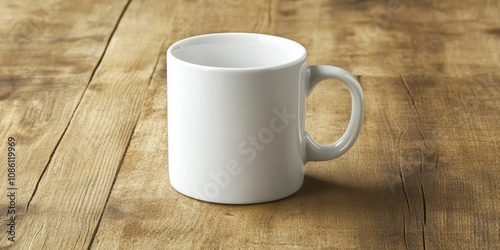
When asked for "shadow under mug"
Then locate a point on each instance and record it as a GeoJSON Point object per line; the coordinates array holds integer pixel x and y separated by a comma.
{"type": "Point", "coordinates": [236, 116]}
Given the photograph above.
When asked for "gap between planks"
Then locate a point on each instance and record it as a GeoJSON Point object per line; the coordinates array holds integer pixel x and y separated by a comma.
{"type": "Point", "coordinates": [76, 107]}
{"type": "Point", "coordinates": [125, 151]}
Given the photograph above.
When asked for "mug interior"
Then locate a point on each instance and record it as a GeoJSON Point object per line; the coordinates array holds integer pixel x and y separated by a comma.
{"type": "Point", "coordinates": [238, 51]}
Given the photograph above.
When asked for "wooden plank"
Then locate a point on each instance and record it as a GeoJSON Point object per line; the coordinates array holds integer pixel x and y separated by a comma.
{"type": "Point", "coordinates": [382, 37]}
{"type": "Point", "coordinates": [459, 167]}
{"type": "Point", "coordinates": [48, 54]}
{"type": "Point", "coordinates": [74, 188]}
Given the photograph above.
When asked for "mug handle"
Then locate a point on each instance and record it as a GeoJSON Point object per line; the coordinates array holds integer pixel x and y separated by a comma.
{"type": "Point", "coordinates": [317, 152]}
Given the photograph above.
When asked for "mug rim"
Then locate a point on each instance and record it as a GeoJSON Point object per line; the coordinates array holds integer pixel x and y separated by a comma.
{"type": "Point", "coordinates": [302, 53]}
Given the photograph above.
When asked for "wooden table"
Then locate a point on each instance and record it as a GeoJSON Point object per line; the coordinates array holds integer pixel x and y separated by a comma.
{"type": "Point", "coordinates": [83, 94]}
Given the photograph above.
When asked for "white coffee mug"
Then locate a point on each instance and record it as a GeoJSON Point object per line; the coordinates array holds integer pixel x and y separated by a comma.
{"type": "Point", "coordinates": [236, 116]}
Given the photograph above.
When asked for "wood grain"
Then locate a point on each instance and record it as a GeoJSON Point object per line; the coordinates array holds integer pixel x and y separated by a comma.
{"type": "Point", "coordinates": [424, 173]}
{"type": "Point", "coordinates": [47, 58]}
{"type": "Point", "coordinates": [83, 172]}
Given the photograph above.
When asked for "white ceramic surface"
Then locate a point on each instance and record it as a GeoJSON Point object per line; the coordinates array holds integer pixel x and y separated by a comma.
{"type": "Point", "coordinates": [236, 116]}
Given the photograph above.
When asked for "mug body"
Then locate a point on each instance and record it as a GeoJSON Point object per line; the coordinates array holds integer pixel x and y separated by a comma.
{"type": "Point", "coordinates": [236, 117]}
